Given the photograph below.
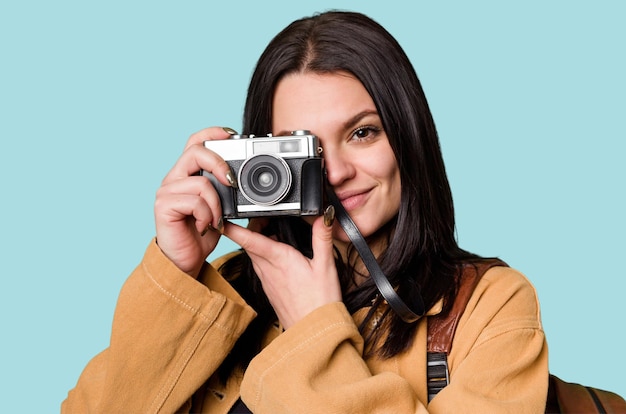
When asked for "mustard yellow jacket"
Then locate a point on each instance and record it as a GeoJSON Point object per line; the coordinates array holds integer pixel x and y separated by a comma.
{"type": "Point", "coordinates": [171, 332]}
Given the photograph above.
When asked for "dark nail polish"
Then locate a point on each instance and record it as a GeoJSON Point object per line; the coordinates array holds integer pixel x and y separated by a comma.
{"type": "Point", "coordinates": [232, 180]}
{"type": "Point", "coordinates": [329, 216]}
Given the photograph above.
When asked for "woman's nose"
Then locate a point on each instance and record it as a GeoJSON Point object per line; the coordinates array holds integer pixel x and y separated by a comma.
{"type": "Point", "coordinates": [338, 167]}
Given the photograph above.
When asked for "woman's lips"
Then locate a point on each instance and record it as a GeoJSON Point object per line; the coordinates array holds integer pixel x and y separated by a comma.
{"type": "Point", "coordinates": [353, 200]}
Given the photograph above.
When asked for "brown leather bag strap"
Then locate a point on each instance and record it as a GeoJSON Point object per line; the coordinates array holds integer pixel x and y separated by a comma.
{"type": "Point", "coordinates": [441, 328]}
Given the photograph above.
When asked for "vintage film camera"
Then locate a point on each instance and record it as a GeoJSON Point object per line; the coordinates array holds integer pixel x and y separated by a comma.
{"type": "Point", "coordinates": [277, 176]}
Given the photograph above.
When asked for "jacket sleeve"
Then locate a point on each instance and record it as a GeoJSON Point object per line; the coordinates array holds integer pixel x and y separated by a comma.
{"type": "Point", "coordinates": [318, 364]}
{"type": "Point", "coordinates": [170, 333]}
{"type": "Point", "coordinates": [500, 363]}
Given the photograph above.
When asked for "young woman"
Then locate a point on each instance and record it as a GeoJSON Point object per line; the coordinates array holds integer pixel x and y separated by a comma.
{"type": "Point", "coordinates": [293, 323]}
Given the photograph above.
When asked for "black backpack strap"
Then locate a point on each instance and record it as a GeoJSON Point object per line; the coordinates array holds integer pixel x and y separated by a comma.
{"type": "Point", "coordinates": [441, 328]}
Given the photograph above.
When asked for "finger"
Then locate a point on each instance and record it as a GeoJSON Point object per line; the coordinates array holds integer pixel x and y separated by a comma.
{"type": "Point", "coordinates": [196, 159]}
{"type": "Point", "coordinates": [209, 134]}
{"type": "Point", "coordinates": [322, 236]}
{"type": "Point", "coordinates": [252, 242]}
{"type": "Point", "coordinates": [185, 190]}
{"type": "Point", "coordinates": [174, 208]}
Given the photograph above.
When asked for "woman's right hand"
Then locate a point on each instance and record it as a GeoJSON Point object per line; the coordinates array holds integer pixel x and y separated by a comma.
{"type": "Point", "coordinates": [187, 209]}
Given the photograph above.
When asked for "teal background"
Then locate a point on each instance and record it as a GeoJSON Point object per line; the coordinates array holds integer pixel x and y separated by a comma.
{"type": "Point", "coordinates": [97, 100]}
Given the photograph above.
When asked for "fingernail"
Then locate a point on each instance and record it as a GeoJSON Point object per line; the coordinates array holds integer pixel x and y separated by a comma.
{"type": "Point", "coordinates": [232, 180]}
{"type": "Point", "coordinates": [329, 216]}
{"type": "Point", "coordinates": [220, 225]}
{"type": "Point", "coordinates": [206, 230]}
{"type": "Point", "coordinates": [230, 131]}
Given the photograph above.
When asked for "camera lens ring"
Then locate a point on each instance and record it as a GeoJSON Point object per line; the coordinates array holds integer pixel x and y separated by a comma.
{"type": "Point", "coordinates": [264, 179]}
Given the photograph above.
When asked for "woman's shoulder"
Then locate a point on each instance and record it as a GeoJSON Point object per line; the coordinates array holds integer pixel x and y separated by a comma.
{"type": "Point", "coordinates": [505, 290]}
{"type": "Point", "coordinates": [509, 278]}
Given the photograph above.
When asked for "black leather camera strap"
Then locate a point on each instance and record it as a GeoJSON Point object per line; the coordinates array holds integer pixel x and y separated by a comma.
{"type": "Point", "coordinates": [376, 273]}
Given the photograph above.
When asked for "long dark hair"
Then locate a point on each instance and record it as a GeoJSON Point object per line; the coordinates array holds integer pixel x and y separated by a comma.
{"type": "Point", "coordinates": [422, 256]}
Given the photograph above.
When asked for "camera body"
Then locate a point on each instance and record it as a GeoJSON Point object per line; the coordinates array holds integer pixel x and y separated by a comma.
{"type": "Point", "coordinates": [277, 176]}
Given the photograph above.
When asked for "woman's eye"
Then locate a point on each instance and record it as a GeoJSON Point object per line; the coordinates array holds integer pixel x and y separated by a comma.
{"type": "Point", "coordinates": [363, 133]}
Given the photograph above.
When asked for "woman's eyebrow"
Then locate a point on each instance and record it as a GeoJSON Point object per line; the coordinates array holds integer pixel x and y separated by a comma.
{"type": "Point", "coordinates": [358, 117]}
{"type": "Point", "coordinates": [350, 123]}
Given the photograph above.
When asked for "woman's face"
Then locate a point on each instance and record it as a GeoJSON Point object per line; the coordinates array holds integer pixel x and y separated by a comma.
{"type": "Point", "coordinates": [359, 161]}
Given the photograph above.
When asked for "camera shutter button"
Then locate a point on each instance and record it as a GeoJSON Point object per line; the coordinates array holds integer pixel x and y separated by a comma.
{"type": "Point", "coordinates": [300, 132]}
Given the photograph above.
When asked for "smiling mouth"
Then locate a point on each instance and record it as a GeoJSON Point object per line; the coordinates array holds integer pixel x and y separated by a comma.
{"type": "Point", "coordinates": [354, 200]}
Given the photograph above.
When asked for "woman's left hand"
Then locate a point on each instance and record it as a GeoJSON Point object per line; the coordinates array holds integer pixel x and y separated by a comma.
{"type": "Point", "coordinates": [294, 284]}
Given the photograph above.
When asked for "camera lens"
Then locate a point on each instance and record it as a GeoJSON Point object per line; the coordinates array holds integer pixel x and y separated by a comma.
{"type": "Point", "coordinates": [264, 179]}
